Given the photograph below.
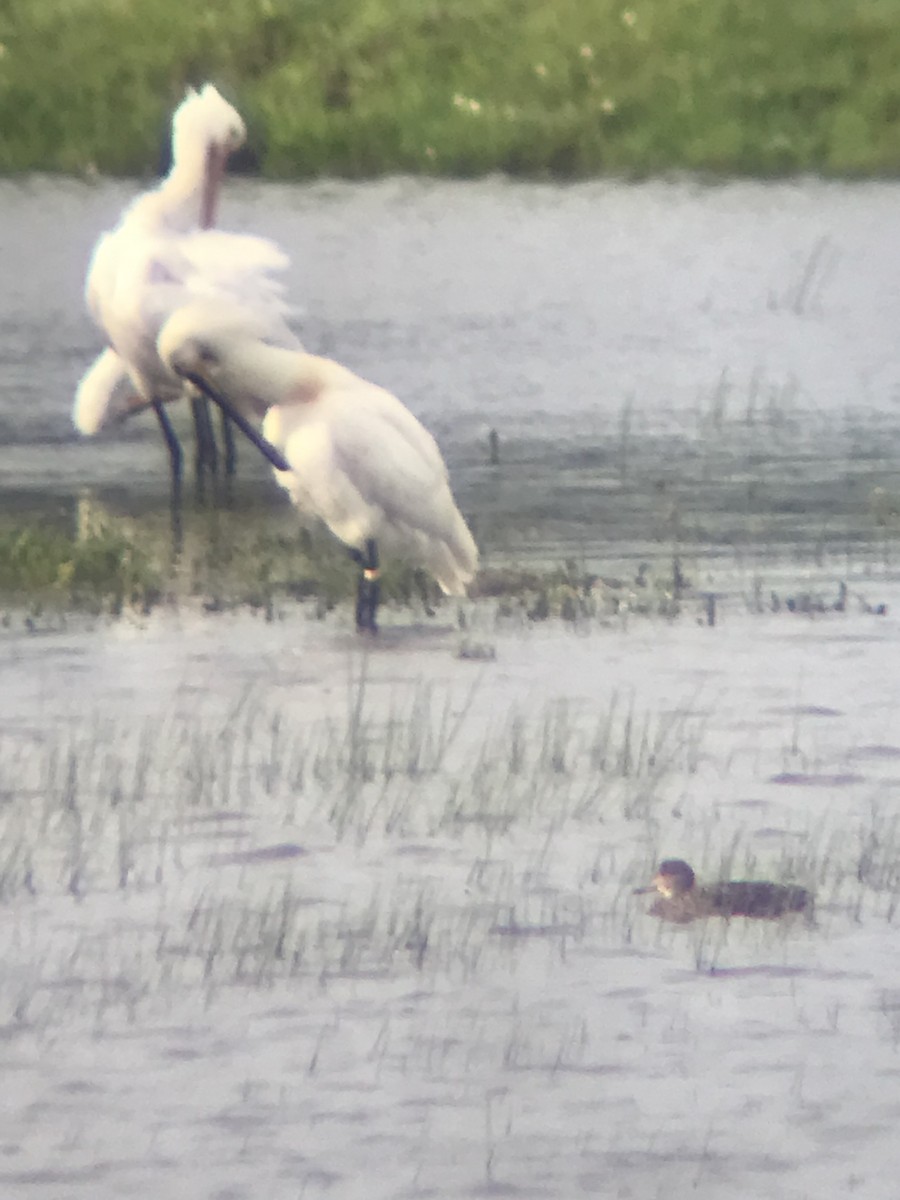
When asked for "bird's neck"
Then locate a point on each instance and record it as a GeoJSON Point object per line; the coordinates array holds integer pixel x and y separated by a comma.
{"type": "Point", "coordinates": [289, 377]}
{"type": "Point", "coordinates": [259, 378]}
{"type": "Point", "coordinates": [178, 202]}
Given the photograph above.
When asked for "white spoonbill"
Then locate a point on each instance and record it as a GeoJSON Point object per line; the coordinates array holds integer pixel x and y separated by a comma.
{"type": "Point", "coordinates": [357, 458]}
{"type": "Point", "coordinates": [161, 255]}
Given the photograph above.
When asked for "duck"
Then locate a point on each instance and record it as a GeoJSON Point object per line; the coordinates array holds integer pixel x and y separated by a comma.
{"type": "Point", "coordinates": [682, 900]}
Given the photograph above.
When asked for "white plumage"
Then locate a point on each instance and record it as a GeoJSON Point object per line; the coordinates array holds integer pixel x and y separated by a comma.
{"type": "Point", "coordinates": [104, 393]}
{"type": "Point", "coordinates": [359, 459]}
{"type": "Point", "coordinates": [162, 255]}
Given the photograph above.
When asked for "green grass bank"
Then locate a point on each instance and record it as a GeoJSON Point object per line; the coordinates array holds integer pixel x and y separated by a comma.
{"type": "Point", "coordinates": [558, 88]}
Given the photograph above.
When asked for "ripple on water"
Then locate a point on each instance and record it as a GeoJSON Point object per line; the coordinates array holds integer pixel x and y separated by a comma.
{"type": "Point", "coordinates": [838, 779]}
{"type": "Point", "coordinates": [876, 750]}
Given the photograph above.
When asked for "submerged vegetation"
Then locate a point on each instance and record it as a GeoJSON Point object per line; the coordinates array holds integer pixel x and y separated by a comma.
{"type": "Point", "coordinates": [223, 806]}
{"type": "Point", "coordinates": [110, 564]}
{"type": "Point", "coordinates": [224, 562]}
{"type": "Point", "coordinates": [349, 878]}
{"type": "Point", "coordinates": [461, 87]}
{"type": "Point", "coordinates": [105, 569]}
{"type": "Point", "coordinates": [638, 521]}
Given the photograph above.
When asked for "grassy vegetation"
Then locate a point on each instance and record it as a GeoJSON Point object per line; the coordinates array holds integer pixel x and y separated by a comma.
{"type": "Point", "coordinates": [133, 564]}
{"type": "Point", "coordinates": [461, 87]}
{"type": "Point", "coordinates": [398, 899]}
{"type": "Point", "coordinates": [633, 523]}
{"type": "Point", "coordinates": [106, 806]}
{"type": "Point", "coordinates": [40, 565]}
{"type": "Point", "coordinates": [110, 564]}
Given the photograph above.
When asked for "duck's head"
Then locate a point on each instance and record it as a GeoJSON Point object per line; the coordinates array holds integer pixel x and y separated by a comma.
{"type": "Point", "coordinates": [673, 878]}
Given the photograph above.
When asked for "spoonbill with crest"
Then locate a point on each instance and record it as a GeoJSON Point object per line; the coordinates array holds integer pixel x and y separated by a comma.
{"type": "Point", "coordinates": [162, 254]}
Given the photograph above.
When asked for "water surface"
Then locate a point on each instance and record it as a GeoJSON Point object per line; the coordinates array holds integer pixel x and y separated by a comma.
{"type": "Point", "coordinates": [724, 352]}
{"type": "Point", "coordinates": [288, 916]}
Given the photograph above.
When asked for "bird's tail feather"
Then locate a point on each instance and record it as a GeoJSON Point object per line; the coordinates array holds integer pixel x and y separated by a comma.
{"type": "Point", "coordinates": [104, 394]}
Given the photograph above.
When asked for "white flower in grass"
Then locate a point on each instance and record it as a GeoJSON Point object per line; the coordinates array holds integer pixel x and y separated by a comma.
{"type": "Point", "coordinates": [586, 51]}
{"type": "Point", "coordinates": [608, 105]}
{"type": "Point", "coordinates": [466, 104]}
{"type": "Point", "coordinates": [540, 70]}
{"type": "Point", "coordinates": [629, 18]}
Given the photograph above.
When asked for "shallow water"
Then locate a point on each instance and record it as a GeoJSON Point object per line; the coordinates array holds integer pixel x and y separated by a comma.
{"type": "Point", "coordinates": [281, 916]}
{"type": "Point", "coordinates": [724, 353]}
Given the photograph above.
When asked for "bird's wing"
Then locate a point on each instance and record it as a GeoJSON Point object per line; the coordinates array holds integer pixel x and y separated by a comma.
{"type": "Point", "coordinates": [230, 269]}
{"type": "Point", "coordinates": [244, 270]}
{"type": "Point", "coordinates": [154, 276]}
{"type": "Point", "coordinates": [141, 290]}
{"type": "Point", "coordinates": [101, 277]}
{"type": "Point", "coordinates": [358, 453]}
{"type": "Point", "coordinates": [216, 253]}
{"type": "Point", "coordinates": [375, 404]}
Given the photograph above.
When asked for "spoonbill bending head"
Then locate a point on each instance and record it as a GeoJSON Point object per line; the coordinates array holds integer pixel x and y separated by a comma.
{"type": "Point", "coordinates": [161, 255]}
{"type": "Point", "coordinates": [355, 456]}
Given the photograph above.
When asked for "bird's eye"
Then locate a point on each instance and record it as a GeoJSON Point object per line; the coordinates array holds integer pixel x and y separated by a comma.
{"type": "Point", "coordinates": [205, 355]}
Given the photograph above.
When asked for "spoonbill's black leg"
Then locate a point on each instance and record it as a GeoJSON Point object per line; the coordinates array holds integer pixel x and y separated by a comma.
{"type": "Point", "coordinates": [176, 459]}
{"type": "Point", "coordinates": [230, 447]}
{"type": "Point", "coordinates": [368, 591]}
{"type": "Point", "coordinates": [172, 444]}
{"type": "Point", "coordinates": [207, 453]}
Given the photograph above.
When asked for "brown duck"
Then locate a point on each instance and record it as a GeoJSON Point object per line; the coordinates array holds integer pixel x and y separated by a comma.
{"type": "Point", "coordinates": [681, 899]}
